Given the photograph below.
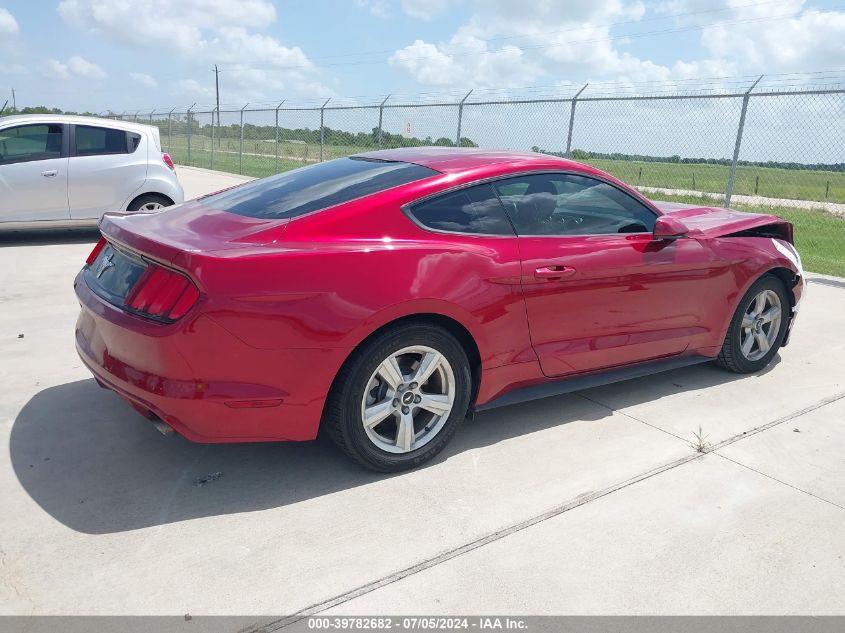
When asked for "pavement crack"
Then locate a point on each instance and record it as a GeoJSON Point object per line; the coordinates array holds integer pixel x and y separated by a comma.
{"type": "Point", "coordinates": [636, 419]}
{"type": "Point", "coordinates": [556, 511]}
{"type": "Point", "coordinates": [780, 481]}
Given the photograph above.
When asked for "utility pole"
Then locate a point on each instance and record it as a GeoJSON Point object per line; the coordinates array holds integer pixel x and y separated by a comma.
{"type": "Point", "coordinates": [14, 103]}
{"type": "Point", "coordinates": [217, 91]}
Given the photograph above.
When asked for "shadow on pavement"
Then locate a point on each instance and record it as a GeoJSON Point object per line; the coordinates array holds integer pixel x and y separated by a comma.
{"type": "Point", "coordinates": [98, 467]}
{"type": "Point", "coordinates": [49, 237]}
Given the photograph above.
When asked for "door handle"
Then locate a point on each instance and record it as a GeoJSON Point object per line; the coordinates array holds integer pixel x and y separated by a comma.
{"type": "Point", "coordinates": [49, 173]}
{"type": "Point", "coordinates": [553, 272]}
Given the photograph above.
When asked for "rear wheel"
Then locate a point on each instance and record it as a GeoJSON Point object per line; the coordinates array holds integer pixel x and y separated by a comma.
{"type": "Point", "coordinates": [757, 328]}
{"type": "Point", "coordinates": [400, 399]}
{"type": "Point", "coordinates": [149, 202]}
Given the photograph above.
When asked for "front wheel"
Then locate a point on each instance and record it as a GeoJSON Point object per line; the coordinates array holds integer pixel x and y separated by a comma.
{"type": "Point", "coordinates": [757, 328]}
{"type": "Point", "coordinates": [399, 400]}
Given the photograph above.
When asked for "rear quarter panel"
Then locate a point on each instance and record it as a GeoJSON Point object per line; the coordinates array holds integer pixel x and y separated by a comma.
{"type": "Point", "coordinates": [338, 275]}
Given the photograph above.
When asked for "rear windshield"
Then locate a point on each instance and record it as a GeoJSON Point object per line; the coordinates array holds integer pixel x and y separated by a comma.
{"type": "Point", "coordinates": [316, 187]}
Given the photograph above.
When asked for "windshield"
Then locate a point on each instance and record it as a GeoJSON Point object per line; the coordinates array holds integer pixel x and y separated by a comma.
{"type": "Point", "coordinates": [316, 187]}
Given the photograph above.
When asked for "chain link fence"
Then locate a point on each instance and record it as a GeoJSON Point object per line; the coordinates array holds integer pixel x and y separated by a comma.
{"type": "Point", "coordinates": [754, 147]}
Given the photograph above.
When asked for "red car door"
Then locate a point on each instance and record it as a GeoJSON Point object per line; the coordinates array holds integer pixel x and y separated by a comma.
{"type": "Point", "coordinates": [599, 290]}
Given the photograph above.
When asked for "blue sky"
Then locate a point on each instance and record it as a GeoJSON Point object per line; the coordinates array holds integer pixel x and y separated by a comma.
{"type": "Point", "coordinates": [130, 55]}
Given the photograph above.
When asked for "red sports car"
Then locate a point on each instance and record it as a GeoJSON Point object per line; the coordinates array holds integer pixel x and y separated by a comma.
{"type": "Point", "coordinates": [385, 296]}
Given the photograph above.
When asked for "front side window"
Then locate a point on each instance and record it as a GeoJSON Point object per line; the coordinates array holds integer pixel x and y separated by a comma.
{"type": "Point", "coordinates": [30, 142]}
{"type": "Point", "coordinates": [470, 210]}
{"type": "Point", "coordinates": [316, 187]}
{"type": "Point", "coordinates": [569, 204]}
{"type": "Point", "coordinates": [91, 141]}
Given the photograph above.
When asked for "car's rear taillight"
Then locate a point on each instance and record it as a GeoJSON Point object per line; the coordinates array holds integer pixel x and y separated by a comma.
{"type": "Point", "coordinates": [162, 293]}
{"type": "Point", "coordinates": [168, 161]}
{"type": "Point", "coordinates": [97, 248]}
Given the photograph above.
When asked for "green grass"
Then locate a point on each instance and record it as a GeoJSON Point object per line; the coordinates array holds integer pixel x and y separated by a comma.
{"type": "Point", "coordinates": [793, 184]}
{"type": "Point", "coordinates": [819, 236]}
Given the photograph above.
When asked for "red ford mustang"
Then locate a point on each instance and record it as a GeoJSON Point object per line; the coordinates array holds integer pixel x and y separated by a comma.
{"type": "Point", "coordinates": [386, 296]}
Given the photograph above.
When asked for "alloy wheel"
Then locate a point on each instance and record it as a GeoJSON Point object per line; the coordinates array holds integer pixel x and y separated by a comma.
{"type": "Point", "coordinates": [408, 399]}
{"type": "Point", "coordinates": [760, 325]}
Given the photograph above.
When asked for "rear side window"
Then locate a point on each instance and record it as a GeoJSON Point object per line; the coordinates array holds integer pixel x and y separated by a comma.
{"type": "Point", "coordinates": [92, 141]}
{"type": "Point", "coordinates": [471, 210]}
{"type": "Point", "coordinates": [316, 187]}
{"type": "Point", "coordinates": [30, 142]}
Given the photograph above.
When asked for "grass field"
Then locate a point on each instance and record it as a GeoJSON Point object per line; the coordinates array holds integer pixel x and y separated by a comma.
{"type": "Point", "coordinates": [819, 236]}
{"type": "Point", "coordinates": [793, 184]}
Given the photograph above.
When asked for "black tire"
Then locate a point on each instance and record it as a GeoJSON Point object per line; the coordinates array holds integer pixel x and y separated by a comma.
{"type": "Point", "coordinates": [342, 417]}
{"type": "Point", "coordinates": [731, 356]}
{"type": "Point", "coordinates": [149, 198]}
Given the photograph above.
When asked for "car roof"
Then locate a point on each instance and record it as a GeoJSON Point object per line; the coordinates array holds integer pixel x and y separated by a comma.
{"type": "Point", "coordinates": [450, 160]}
{"type": "Point", "coordinates": [18, 119]}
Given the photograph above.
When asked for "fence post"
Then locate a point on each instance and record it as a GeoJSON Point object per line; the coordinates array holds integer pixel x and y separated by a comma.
{"type": "Point", "coordinates": [277, 135]}
{"type": "Point", "coordinates": [212, 133]}
{"type": "Point", "coordinates": [241, 144]}
{"type": "Point", "coordinates": [460, 118]}
{"type": "Point", "coordinates": [380, 115]}
{"type": "Point", "coordinates": [572, 121]}
{"type": "Point", "coordinates": [151, 117]}
{"type": "Point", "coordinates": [732, 176]}
{"type": "Point", "coordinates": [170, 130]}
{"type": "Point", "coordinates": [190, 114]}
{"type": "Point", "coordinates": [322, 128]}
{"type": "Point", "coordinates": [136, 115]}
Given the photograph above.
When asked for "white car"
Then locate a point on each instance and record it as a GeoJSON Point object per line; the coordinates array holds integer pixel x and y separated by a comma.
{"type": "Point", "coordinates": [62, 169]}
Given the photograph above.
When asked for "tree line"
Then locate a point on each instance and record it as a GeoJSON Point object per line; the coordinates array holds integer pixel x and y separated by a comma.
{"type": "Point", "coordinates": [585, 155]}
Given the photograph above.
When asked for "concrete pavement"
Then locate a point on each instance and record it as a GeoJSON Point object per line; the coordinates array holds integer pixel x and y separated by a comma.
{"type": "Point", "coordinates": [199, 182]}
{"type": "Point", "coordinates": [593, 502]}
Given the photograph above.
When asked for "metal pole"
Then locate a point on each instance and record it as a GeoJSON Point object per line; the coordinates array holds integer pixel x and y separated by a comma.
{"type": "Point", "coordinates": [241, 144]}
{"type": "Point", "coordinates": [170, 130]}
{"type": "Point", "coordinates": [189, 133]}
{"type": "Point", "coordinates": [136, 116]}
{"type": "Point", "coordinates": [572, 121]}
{"type": "Point", "coordinates": [322, 128]}
{"type": "Point", "coordinates": [277, 135]}
{"type": "Point", "coordinates": [460, 118]}
{"type": "Point", "coordinates": [380, 114]}
{"type": "Point", "coordinates": [217, 92]}
{"type": "Point", "coordinates": [212, 133]}
{"type": "Point", "coordinates": [732, 176]}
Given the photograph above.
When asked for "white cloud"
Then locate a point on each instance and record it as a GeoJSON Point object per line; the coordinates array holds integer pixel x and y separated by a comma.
{"type": "Point", "coordinates": [424, 9]}
{"type": "Point", "coordinates": [507, 43]}
{"type": "Point", "coordinates": [253, 65]}
{"type": "Point", "coordinates": [8, 23]}
{"type": "Point", "coordinates": [75, 66]}
{"type": "Point", "coordinates": [144, 79]}
{"type": "Point", "coordinates": [83, 68]}
{"type": "Point", "coordinates": [192, 88]}
{"type": "Point", "coordinates": [378, 8]}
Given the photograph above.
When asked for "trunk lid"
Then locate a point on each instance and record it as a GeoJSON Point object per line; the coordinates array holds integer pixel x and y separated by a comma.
{"type": "Point", "coordinates": [190, 228]}
{"type": "Point", "coordinates": [710, 222]}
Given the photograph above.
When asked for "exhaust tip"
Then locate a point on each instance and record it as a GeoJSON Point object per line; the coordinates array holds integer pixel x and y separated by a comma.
{"type": "Point", "coordinates": [163, 428]}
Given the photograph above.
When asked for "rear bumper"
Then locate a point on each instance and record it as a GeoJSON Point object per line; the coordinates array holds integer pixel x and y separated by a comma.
{"type": "Point", "coordinates": [201, 380]}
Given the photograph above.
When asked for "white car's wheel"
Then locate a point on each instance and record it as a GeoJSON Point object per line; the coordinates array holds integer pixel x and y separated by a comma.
{"type": "Point", "coordinates": [149, 202]}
